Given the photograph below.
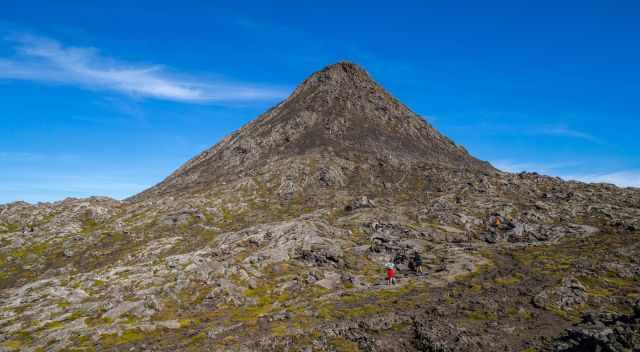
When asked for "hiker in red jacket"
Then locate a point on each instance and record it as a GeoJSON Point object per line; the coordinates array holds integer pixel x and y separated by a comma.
{"type": "Point", "coordinates": [391, 273]}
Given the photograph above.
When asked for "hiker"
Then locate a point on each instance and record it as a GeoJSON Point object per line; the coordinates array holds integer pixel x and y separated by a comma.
{"type": "Point", "coordinates": [417, 263]}
{"type": "Point", "coordinates": [400, 258]}
{"type": "Point", "coordinates": [391, 272]}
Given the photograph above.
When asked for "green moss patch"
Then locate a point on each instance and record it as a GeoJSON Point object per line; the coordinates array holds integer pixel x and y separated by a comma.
{"type": "Point", "coordinates": [509, 280]}
{"type": "Point", "coordinates": [128, 336]}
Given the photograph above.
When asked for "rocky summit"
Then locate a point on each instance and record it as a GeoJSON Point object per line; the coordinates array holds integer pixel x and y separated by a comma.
{"type": "Point", "coordinates": [276, 239]}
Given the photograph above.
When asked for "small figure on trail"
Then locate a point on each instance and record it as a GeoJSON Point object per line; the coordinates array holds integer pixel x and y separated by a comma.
{"type": "Point", "coordinates": [495, 220]}
{"type": "Point", "coordinates": [391, 273]}
{"type": "Point", "coordinates": [417, 263]}
{"type": "Point", "coordinates": [399, 258]}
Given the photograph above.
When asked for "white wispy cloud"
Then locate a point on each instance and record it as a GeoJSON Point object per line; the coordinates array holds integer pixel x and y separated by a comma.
{"type": "Point", "coordinates": [559, 130]}
{"type": "Point", "coordinates": [46, 189]}
{"type": "Point", "coordinates": [511, 166]}
{"type": "Point", "coordinates": [19, 156]}
{"type": "Point", "coordinates": [46, 60]}
{"type": "Point", "coordinates": [629, 178]}
{"type": "Point", "coordinates": [625, 178]}
{"type": "Point", "coordinates": [563, 131]}
{"type": "Point", "coordinates": [30, 158]}
{"type": "Point", "coordinates": [50, 185]}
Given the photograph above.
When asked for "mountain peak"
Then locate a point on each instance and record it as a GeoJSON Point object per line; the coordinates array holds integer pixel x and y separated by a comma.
{"type": "Point", "coordinates": [339, 113]}
{"type": "Point", "coordinates": [343, 76]}
{"type": "Point", "coordinates": [341, 71]}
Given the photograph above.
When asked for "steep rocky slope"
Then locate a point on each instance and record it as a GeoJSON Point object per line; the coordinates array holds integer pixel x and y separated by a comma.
{"type": "Point", "coordinates": [339, 115]}
{"type": "Point", "coordinates": [274, 239]}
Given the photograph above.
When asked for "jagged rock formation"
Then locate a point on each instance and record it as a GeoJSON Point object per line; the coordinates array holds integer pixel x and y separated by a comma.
{"type": "Point", "coordinates": [275, 239]}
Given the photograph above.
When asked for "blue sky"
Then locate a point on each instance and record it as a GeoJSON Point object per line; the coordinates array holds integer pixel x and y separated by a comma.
{"type": "Point", "coordinates": [109, 99]}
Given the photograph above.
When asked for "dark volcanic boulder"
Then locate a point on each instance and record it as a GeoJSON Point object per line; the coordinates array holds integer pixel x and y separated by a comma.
{"type": "Point", "coordinates": [606, 332]}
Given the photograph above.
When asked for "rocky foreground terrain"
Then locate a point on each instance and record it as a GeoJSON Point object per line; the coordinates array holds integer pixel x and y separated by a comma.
{"type": "Point", "coordinates": [275, 240]}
